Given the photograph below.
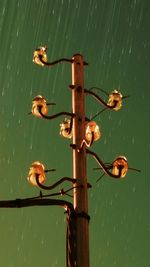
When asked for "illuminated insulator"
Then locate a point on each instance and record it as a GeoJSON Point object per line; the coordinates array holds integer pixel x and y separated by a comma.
{"type": "Point", "coordinates": [39, 102]}
{"type": "Point", "coordinates": [36, 170]}
{"type": "Point", "coordinates": [115, 100]}
{"type": "Point", "coordinates": [120, 166]}
{"type": "Point", "coordinates": [40, 54]}
{"type": "Point", "coordinates": [65, 128]}
{"type": "Point", "coordinates": [92, 131]}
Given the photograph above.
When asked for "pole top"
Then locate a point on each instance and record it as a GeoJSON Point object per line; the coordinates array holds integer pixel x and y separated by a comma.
{"type": "Point", "coordinates": [77, 54]}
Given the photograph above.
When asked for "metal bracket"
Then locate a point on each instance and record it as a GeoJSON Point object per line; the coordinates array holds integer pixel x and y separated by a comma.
{"type": "Point", "coordinates": [82, 215]}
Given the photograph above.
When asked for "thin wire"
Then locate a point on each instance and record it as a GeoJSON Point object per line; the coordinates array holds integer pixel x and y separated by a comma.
{"type": "Point", "coordinates": [100, 178]}
{"type": "Point", "coordinates": [50, 104]}
{"type": "Point", "coordinates": [98, 113]}
{"type": "Point", "coordinates": [133, 169]}
{"type": "Point", "coordinates": [60, 193]}
{"type": "Point", "coordinates": [109, 166]}
{"type": "Point", "coordinates": [90, 89]}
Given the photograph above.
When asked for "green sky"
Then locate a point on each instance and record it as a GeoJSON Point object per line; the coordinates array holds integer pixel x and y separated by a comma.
{"type": "Point", "coordinates": [113, 36]}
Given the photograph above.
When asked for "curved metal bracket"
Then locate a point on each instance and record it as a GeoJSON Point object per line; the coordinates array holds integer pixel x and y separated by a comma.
{"type": "Point", "coordinates": [55, 115]}
{"type": "Point", "coordinates": [49, 64]}
{"type": "Point", "coordinates": [103, 166]}
{"type": "Point", "coordinates": [100, 100]}
{"type": "Point", "coordinates": [64, 179]}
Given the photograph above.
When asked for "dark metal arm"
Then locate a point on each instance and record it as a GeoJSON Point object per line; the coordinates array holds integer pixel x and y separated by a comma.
{"type": "Point", "coordinates": [29, 202]}
{"type": "Point", "coordinates": [55, 115]}
{"type": "Point", "coordinates": [49, 64]}
{"type": "Point", "coordinates": [102, 165]}
{"type": "Point", "coordinates": [64, 179]}
{"type": "Point", "coordinates": [100, 100]}
{"type": "Point", "coordinates": [55, 62]}
{"type": "Point", "coordinates": [68, 206]}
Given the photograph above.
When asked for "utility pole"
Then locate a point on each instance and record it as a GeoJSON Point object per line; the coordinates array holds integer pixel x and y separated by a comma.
{"type": "Point", "coordinates": [79, 164]}
{"type": "Point", "coordinates": [84, 132]}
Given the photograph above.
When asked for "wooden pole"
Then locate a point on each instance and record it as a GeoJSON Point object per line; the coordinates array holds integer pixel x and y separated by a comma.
{"type": "Point", "coordinates": [79, 164]}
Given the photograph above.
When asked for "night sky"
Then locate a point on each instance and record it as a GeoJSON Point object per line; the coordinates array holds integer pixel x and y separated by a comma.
{"type": "Point", "coordinates": [113, 37]}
